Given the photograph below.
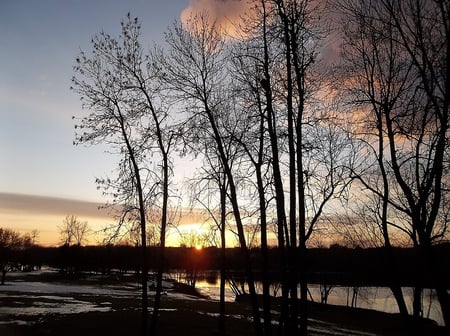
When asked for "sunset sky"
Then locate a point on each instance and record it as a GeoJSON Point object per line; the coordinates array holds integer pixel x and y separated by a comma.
{"type": "Point", "coordinates": [43, 177]}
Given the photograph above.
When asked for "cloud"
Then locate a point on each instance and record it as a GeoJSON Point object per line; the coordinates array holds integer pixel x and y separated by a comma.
{"type": "Point", "coordinates": [43, 205]}
{"type": "Point", "coordinates": [226, 13]}
{"type": "Point", "coordinates": [24, 213]}
{"type": "Point", "coordinates": [193, 217]}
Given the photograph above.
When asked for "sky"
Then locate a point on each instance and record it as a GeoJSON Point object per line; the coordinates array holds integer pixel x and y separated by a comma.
{"type": "Point", "coordinates": [43, 176]}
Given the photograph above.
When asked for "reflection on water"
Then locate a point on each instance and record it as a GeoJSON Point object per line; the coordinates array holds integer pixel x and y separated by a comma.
{"type": "Point", "coordinates": [381, 298]}
{"type": "Point", "coordinates": [60, 298]}
{"type": "Point", "coordinates": [377, 298]}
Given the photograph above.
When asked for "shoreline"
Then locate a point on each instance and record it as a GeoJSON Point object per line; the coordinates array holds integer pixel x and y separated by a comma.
{"type": "Point", "coordinates": [200, 317]}
{"type": "Point", "coordinates": [113, 308]}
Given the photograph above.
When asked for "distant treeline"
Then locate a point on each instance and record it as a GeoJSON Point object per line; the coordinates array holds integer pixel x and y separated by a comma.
{"type": "Point", "coordinates": [335, 265]}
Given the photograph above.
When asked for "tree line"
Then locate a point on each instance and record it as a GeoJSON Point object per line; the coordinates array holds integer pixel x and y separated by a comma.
{"type": "Point", "coordinates": [11, 242]}
{"type": "Point", "coordinates": [289, 137]}
{"type": "Point", "coordinates": [336, 265]}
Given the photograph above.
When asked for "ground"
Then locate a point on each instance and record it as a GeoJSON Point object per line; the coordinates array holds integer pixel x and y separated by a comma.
{"type": "Point", "coordinates": [49, 304]}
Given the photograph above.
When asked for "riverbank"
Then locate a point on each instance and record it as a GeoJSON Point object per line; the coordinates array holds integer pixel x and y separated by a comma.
{"type": "Point", "coordinates": [45, 305]}
{"type": "Point", "coordinates": [200, 318]}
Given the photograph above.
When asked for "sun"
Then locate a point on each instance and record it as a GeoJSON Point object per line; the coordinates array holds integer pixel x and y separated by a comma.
{"type": "Point", "coordinates": [198, 247]}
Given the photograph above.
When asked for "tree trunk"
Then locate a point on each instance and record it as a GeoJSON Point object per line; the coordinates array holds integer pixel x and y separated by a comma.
{"type": "Point", "coordinates": [441, 289]}
{"type": "Point", "coordinates": [394, 279]}
{"type": "Point", "coordinates": [223, 209]}
{"type": "Point", "coordinates": [264, 249]}
{"type": "Point", "coordinates": [144, 284]}
{"type": "Point", "coordinates": [278, 181]}
{"type": "Point", "coordinates": [444, 301]}
{"type": "Point", "coordinates": [142, 219]}
{"type": "Point", "coordinates": [417, 302]}
{"type": "Point", "coordinates": [400, 299]}
{"type": "Point", "coordinates": [238, 219]}
{"type": "Point", "coordinates": [162, 246]}
{"type": "Point", "coordinates": [303, 291]}
{"type": "Point", "coordinates": [292, 259]}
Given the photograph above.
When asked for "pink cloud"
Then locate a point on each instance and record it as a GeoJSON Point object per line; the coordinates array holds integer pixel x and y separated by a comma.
{"type": "Point", "coordinates": [225, 13]}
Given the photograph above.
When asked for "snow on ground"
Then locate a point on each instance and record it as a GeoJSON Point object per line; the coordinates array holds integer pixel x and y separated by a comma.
{"type": "Point", "coordinates": [58, 288]}
{"type": "Point", "coordinates": [19, 299]}
{"type": "Point", "coordinates": [34, 298]}
{"type": "Point", "coordinates": [69, 306]}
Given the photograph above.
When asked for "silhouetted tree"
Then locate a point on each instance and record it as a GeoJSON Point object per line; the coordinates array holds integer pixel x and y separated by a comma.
{"type": "Point", "coordinates": [10, 241]}
{"type": "Point", "coordinates": [118, 84]}
{"type": "Point", "coordinates": [73, 231]}
{"type": "Point", "coordinates": [194, 69]}
{"type": "Point", "coordinates": [210, 191]}
{"type": "Point", "coordinates": [307, 149]}
{"type": "Point", "coordinates": [399, 76]}
{"type": "Point", "coordinates": [253, 139]}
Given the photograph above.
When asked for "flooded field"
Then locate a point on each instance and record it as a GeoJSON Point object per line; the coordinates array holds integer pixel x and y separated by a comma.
{"type": "Point", "coordinates": [376, 298]}
{"type": "Point", "coordinates": [41, 302]}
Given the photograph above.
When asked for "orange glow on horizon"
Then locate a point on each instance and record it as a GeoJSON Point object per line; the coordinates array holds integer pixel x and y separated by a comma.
{"type": "Point", "coordinates": [25, 213]}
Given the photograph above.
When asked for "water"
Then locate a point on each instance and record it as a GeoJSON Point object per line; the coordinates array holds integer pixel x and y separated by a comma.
{"type": "Point", "coordinates": [381, 299]}
{"type": "Point", "coordinates": [376, 298]}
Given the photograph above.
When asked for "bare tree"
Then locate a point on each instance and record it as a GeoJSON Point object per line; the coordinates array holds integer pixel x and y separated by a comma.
{"type": "Point", "coordinates": [132, 235]}
{"type": "Point", "coordinates": [80, 232]}
{"type": "Point", "coordinates": [117, 83]}
{"type": "Point", "coordinates": [65, 231]}
{"type": "Point", "coordinates": [253, 138]}
{"type": "Point", "coordinates": [73, 231]}
{"type": "Point", "coordinates": [10, 241]}
{"type": "Point", "coordinates": [301, 150]}
{"type": "Point", "coordinates": [194, 69]}
{"type": "Point", "coordinates": [400, 51]}
{"type": "Point", "coordinates": [209, 190]}
{"type": "Point", "coordinates": [290, 34]}
{"type": "Point", "coordinates": [30, 238]}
